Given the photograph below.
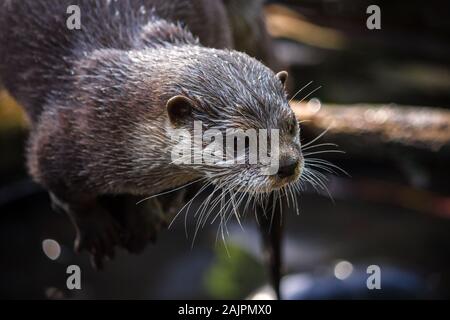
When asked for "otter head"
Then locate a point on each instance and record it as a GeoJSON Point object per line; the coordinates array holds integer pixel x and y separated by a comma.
{"type": "Point", "coordinates": [234, 124]}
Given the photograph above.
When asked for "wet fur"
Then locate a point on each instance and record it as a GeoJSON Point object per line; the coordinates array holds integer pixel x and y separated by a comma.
{"type": "Point", "coordinates": [97, 97]}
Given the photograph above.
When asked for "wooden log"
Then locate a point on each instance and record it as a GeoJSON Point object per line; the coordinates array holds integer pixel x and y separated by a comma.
{"type": "Point", "coordinates": [379, 130]}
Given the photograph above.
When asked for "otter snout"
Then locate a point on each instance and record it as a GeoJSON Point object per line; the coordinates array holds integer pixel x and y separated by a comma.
{"type": "Point", "coordinates": [288, 167]}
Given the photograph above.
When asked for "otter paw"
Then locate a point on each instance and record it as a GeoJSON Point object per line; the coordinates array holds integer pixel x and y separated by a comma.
{"type": "Point", "coordinates": [98, 234]}
{"type": "Point", "coordinates": [142, 225]}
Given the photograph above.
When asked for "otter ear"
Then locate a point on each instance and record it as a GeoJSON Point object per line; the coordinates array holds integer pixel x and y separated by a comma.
{"type": "Point", "coordinates": [178, 109]}
{"type": "Point", "coordinates": [282, 75]}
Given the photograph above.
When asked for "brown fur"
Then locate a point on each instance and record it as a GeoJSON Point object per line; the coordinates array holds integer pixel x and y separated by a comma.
{"type": "Point", "coordinates": [97, 102]}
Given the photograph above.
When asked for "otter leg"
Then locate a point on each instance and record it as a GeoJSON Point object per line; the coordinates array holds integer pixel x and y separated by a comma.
{"type": "Point", "coordinates": [271, 228]}
{"type": "Point", "coordinates": [142, 221]}
{"type": "Point", "coordinates": [96, 229]}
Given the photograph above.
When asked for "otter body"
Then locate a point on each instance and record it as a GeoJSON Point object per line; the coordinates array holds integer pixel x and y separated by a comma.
{"type": "Point", "coordinates": [38, 48]}
{"type": "Point", "coordinates": [103, 102]}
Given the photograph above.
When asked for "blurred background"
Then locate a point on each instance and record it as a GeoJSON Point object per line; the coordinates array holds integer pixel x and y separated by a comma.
{"type": "Point", "coordinates": [384, 97]}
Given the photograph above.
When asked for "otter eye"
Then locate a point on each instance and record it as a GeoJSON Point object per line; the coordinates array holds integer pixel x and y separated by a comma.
{"type": "Point", "coordinates": [179, 108]}
{"type": "Point", "coordinates": [293, 130]}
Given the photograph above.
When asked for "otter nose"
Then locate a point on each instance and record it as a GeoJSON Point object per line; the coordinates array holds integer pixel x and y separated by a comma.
{"type": "Point", "coordinates": [287, 167]}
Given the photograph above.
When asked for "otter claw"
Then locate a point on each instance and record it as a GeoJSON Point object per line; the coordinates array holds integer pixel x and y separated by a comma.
{"type": "Point", "coordinates": [97, 234]}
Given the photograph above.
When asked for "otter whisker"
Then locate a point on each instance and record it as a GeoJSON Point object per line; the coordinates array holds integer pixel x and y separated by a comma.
{"type": "Point", "coordinates": [315, 165]}
{"type": "Point", "coordinates": [289, 191]}
{"type": "Point", "coordinates": [324, 151]}
{"type": "Point", "coordinates": [259, 200]}
{"type": "Point", "coordinates": [203, 206]}
{"type": "Point", "coordinates": [320, 145]}
{"type": "Point", "coordinates": [236, 213]}
{"type": "Point", "coordinates": [188, 203]}
{"type": "Point", "coordinates": [208, 208]}
{"type": "Point", "coordinates": [274, 205]}
{"type": "Point", "coordinates": [224, 189]}
{"type": "Point", "coordinates": [219, 199]}
{"type": "Point", "coordinates": [236, 205]}
{"type": "Point", "coordinates": [222, 208]}
{"type": "Point", "coordinates": [189, 207]}
{"type": "Point", "coordinates": [326, 163]}
{"type": "Point", "coordinates": [192, 155]}
{"type": "Point", "coordinates": [292, 194]}
{"type": "Point", "coordinates": [303, 121]}
{"type": "Point", "coordinates": [228, 211]}
{"type": "Point", "coordinates": [244, 194]}
{"type": "Point", "coordinates": [229, 208]}
{"type": "Point", "coordinates": [311, 180]}
{"type": "Point", "coordinates": [297, 93]}
{"type": "Point", "coordinates": [170, 191]}
{"type": "Point", "coordinates": [319, 178]}
{"type": "Point", "coordinates": [283, 194]}
{"type": "Point", "coordinates": [309, 94]}
{"type": "Point", "coordinates": [221, 228]}
{"type": "Point", "coordinates": [316, 138]}
{"type": "Point", "coordinates": [281, 208]}
{"type": "Point", "coordinates": [214, 204]}
{"type": "Point", "coordinates": [250, 198]}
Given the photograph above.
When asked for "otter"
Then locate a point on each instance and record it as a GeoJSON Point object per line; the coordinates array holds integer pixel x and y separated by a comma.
{"type": "Point", "coordinates": [103, 102]}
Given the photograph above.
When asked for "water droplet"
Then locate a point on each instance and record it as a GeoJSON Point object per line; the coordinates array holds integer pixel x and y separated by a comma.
{"type": "Point", "coordinates": [343, 270]}
{"type": "Point", "coordinates": [51, 248]}
{"type": "Point", "coordinates": [314, 105]}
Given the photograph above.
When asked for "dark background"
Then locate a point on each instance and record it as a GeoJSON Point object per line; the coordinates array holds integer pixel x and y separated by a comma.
{"type": "Point", "coordinates": [392, 212]}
